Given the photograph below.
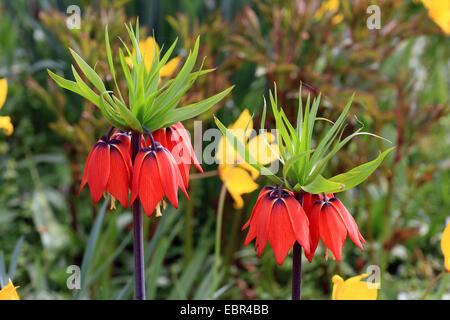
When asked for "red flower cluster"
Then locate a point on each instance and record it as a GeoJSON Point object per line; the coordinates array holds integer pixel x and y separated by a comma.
{"type": "Point", "coordinates": [278, 217]}
{"type": "Point", "coordinates": [108, 168]}
{"type": "Point", "coordinates": [159, 169]}
{"type": "Point", "coordinates": [330, 221]}
{"type": "Point", "coordinates": [176, 139]}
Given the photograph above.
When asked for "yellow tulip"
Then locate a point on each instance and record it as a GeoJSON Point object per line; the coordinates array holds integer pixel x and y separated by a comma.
{"type": "Point", "coordinates": [445, 246]}
{"type": "Point", "coordinates": [331, 6]}
{"type": "Point", "coordinates": [5, 122]}
{"type": "Point", "coordinates": [9, 292]}
{"type": "Point", "coordinates": [439, 12]}
{"type": "Point", "coordinates": [3, 91]}
{"type": "Point", "coordinates": [239, 177]}
{"type": "Point", "coordinates": [353, 288]}
{"type": "Point", "coordinates": [6, 125]}
{"type": "Point", "coordinates": [147, 49]}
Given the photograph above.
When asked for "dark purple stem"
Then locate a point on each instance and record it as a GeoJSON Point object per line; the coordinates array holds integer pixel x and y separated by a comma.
{"type": "Point", "coordinates": [152, 141]}
{"type": "Point", "coordinates": [297, 265]}
{"type": "Point", "coordinates": [138, 241]}
{"type": "Point", "coordinates": [110, 131]}
{"type": "Point", "coordinates": [297, 272]}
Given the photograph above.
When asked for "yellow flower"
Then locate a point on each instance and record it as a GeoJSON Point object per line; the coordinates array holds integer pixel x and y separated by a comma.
{"type": "Point", "coordinates": [238, 175]}
{"type": "Point", "coordinates": [445, 246]}
{"type": "Point", "coordinates": [5, 122]}
{"type": "Point", "coordinates": [6, 125]}
{"type": "Point", "coordinates": [3, 91]}
{"type": "Point", "coordinates": [9, 292]}
{"type": "Point", "coordinates": [439, 12]}
{"type": "Point", "coordinates": [147, 49]}
{"type": "Point", "coordinates": [353, 288]}
{"type": "Point", "coordinates": [331, 6]}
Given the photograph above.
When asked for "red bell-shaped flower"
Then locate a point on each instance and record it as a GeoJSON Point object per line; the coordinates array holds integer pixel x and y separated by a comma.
{"type": "Point", "coordinates": [125, 140]}
{"type": "Point", "coordinates": [278, 218]}
{"type": "Point", "coordinates": [330, 221]}
{"type": "Point", "coordinates": [176, 139]}
{"type": "Point", "coordinates": [308, 200]}
{"type": "Point", "coordinates": [155, 175]}
{"type": "Point", "coordinates": [108, 168]}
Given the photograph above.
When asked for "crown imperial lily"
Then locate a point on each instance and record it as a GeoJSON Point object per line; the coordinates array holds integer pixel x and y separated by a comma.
{"type": "Point", "coordinates": [155, 175]}
{"type": "Point", "coordinates": [331, 221]}
{"type": "Point", "coordinates": [303, 160]}
{"type": "Point", "coordinates": [278, 218]}
{"type": "Point", "coordinates": [175, 138]}
{"type": "Point", "coordinates": [151, 104]}
{"type": "Point", "coordinates": [108, 168]}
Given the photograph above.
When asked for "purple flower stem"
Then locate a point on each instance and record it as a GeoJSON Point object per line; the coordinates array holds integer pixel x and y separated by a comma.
{"type": "Point", "coordinates": [138, 241]}
{"type": "Point", "coordinates": [297, 272]}
{"type": "Point", "coordinates": [297, 265]}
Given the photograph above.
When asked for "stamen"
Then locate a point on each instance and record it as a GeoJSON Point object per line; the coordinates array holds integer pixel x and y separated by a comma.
{"type": "Point", "coordinates": [112, 205]}
{"type": "Point", "coordinates": [158, 209]}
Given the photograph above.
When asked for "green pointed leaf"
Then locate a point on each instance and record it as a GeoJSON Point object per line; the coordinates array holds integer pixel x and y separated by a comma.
{"type": "Point", "coordinates": [360, 173]}
{"type": "Point", "coordinates": [188, 112]}
{"type": "Point", "coordinates": [93, 77]}
{"type": "Point", "coordinates": [322, 185]}
{"type": "Point", "coordinates": [127, 115]}
{"type": "Point", "coordinates": [291, 162]}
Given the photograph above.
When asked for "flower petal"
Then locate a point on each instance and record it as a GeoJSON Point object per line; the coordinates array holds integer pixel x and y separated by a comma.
{"type": "Point", "coordinates": [99, 170]}
{"type": "Point", "coordinates": [9, 292]}
{"type": "Point", "coordinates": [170, 67]}
{"type": "Point", "coordinates": [119, 177]}
{"type": "Point", "coordinates": [3, 91]}
{"type": "Point", "coordinates": [147, 49]}
{"type": "Point", "coordinates": [150, 186]}
{"type": "Point", "coordinates": [6, 125]}
{"type": "Point", "coordinates": [225, 150]}
{"type": "Point", "coordinates": [348, 220]}
{"type": "Point", "coordinates": [263, 224]}
{"type": "Point", "coordinates": [280, 235]}
{"type": "Point", "coordinates": [137, 172]}
{"type": "Point", "coordinates": [299, 222]}
{"type": "Point", "coordinates": [86, 170]}
{"type": "Point", "coordinates": [313, 216]}
{"type": "Point", "coordinates": [445, 246]}
{"type": "Point", "coordinates": [262, 193]}
{"type": "Point", "coordinates": [168, 176]}
{"type": "Point", "coordinates": [353, 288]}
{"type": "Point", "coordinates": [259, 149]}
{"type": "Point", "coordinates": [332, 230]}
{"type": "Point", "coordinates": [238, 182]}
{"type": "Point", "coordinates": [338, 283]}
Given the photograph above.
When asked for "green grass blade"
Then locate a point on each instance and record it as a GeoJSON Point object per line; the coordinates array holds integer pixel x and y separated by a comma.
{"type": "Point", "coordinates": [91, 245]}
{"type": "Point", "coordinates": [14, 257]}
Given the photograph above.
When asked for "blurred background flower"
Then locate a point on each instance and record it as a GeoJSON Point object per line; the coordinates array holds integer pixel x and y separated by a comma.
{"type": "Point", "coordinates": [353, 288]}
{"type": "Point", "coordinates": [9, 292]}
{"type": "Point", "coordinates": [5, 121]}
